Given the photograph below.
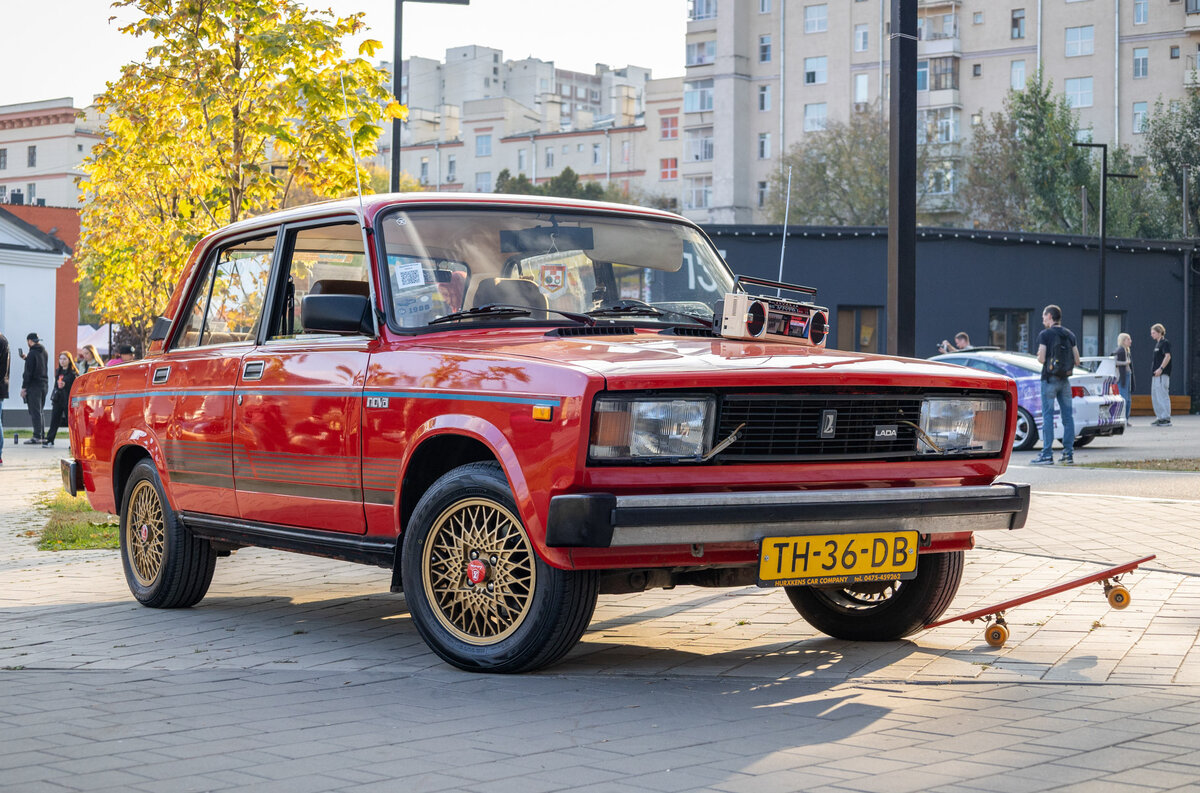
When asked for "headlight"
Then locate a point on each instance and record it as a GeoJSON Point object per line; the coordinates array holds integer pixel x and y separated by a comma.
{"type": "Point", "coordinates": [957, 425]}
{"type": "Point", "coordinates": [638, 428]}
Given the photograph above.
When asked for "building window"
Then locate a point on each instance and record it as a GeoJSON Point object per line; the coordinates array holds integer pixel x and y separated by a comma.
{"type": "Point", "coordinates": [940, 178]}
{"type": "Point", "coordinates": [698, 96]}
{"type": "Point", "coordinates": [483, 145]}
{"type": "Point", "coordinates": [626, 151]}
{"type": "Point", "coordinates": [860, 328]}
{"type": "Point", "coordinates": [762, 194]}
{"type": "Point", "coordinates": [862, 37]}
{"type": "Point", "coordinates": [699, 146]}
{"type": "Point", "coordinates": [1080, 41]}
{"type": "Point", "coordinates": [451, 167]}
{"type": "Point", "coordinates": [943, 73]}
{"type": "Point", "coordinates": [668, 169]}
{"type": "Point", "coordinates": [549, 156]}
{"type": "Point", "coordinates": [1141, 11]}
{"type": "Point", "coordinates": [1010, 329]}
{"type": "Point", "coordinates": [939, 125]}
{"type": "Point", "coordinates": [861, 89]}
{"type": "Point", "coordinates": [1018, 23]}
{"type": "Point", "coordinates": [703, 9]}
{"type": "Point", "coordinates": [31, 193]}
{"type": "Point", "coordinates": [1114, 323]}
{"type": "Point", "coordinates": [483, 182]}
{"type": "Point", "coordinates": [922, 75]}
{"type": "Point", "coordinates": [3, 159]}
{"type": "Point", "coordinates": [1016, 75]}
{"type": "Point", "coordinates": [1083, 135]}
{"type": "Point", "coordinates": [700, 53]}
{"type": "Point", "coordinates": [816, 18]}
{"type": "Point", "coordinates": [1175, 53]}
{"type": "Point", "coordinates": [424, 170]}
{"type": "Point", "coordinates": [668, 127]}
{"type": "Point", "coordinates": [764, 145]}
{"type": "Point", "coordinates": [1139, 118]}
{"type": "Point", "coordinates": [814, 117]}
{"type": "Point", "coordinates": [1078, 91]}
{"type": "Point", "coordinates": [764, 49]}
{"type": "Point", "coordinates": [1141, 61]}
{"type": "Point", "coordinates": [978, 18]}
{"type": "Point", "coordinates": [3, 193]}
{"type": "Point", "coordinates": [32, 158]}
{"type": "Point", "coordinates": [816, 70]}
{"type": "Point", "coordinates": [595, 154]}
{"type": "Point", "coordinates": [764, 6]}
{"type": "Point", "coordinates": [699, 192]}
{"type": "Point", "coordinates": [977, 70]}
{"type": "Point", "coordinates": [521, 161]}
{"type": "Point", "coordinates": [764, 97]}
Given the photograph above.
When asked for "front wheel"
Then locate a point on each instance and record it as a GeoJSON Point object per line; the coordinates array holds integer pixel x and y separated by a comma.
{"type": "Point", "coordinates": [1084, 440]}
{"type": "Point", "coordinates": [166, 566]}
{"type": "Point", "coordinates": [478, 593]}
{"type": "Point", "coordinates": [882, 611]}
{"type": "Point", "coordinates": [1027, 432]}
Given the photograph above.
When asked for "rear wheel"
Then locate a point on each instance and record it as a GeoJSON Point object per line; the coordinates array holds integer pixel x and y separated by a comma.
{"type": "Point", "coordinates": [165, 566]}
{"type": "Point", "coordinates": [1027, 431]}
{"type": "Point", "coordinates": [1084, 440]}
{"type": "Point", "coordinates": [478, 593]}
{"type": "Point", "coordinates": [885, 610]}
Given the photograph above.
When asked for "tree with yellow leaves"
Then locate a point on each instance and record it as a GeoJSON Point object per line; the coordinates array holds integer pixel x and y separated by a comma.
{"type": "Point", "coordinates": [238, 107]}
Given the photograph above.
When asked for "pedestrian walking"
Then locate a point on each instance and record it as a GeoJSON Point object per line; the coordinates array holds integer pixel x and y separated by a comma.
{"type": "Point", "coordinates": [1059, 355]}
{"type": "Point", "coordinates": [60, 397]}
{"type": "Point", "coordinates": [35, 381]}
{"type": "Point", "coordinates": [1124, 357]}
{"type": "Point", "coordinates": [5, 364]}
{"type": "Point", "coordinates": [89, 359]}
{"type": "Point", "coordinates": [1160, 384]}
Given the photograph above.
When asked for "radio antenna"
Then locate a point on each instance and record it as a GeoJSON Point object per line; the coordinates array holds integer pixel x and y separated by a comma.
{"type": "Point", "coordinates": [787, 205]}
{"type": "Point", "coordinates": [354, 154]}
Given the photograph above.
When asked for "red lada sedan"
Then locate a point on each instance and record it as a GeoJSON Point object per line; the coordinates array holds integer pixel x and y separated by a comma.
{"type": "Point", "coordinates": [516, 405]}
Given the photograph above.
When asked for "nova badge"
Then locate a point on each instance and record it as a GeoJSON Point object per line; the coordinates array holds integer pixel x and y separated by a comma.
{"type": "Point", "coordinates": [377, 402]}
{"type": "Point", "coordinates": [828, 423]}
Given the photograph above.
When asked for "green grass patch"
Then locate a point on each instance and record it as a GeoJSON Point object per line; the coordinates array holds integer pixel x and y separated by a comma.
{"type": "Point", "coordinates": [1178, 464]}
{"type": "Point", "coordinates": [72, 525]}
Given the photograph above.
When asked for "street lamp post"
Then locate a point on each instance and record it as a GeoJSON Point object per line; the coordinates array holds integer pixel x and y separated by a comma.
{"type": "Point", "coordinates": [396, 70]}
{"type": "Point", "coordinates": [1104, 177]}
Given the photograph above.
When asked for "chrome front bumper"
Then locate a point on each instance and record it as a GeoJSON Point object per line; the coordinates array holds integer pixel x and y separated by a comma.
{"type": "Point", "coordinates": [602, 520]}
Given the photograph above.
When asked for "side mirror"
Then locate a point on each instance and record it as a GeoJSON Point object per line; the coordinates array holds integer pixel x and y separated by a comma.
{"type": "Point", "coordinates": [336, 314]}
{"type": "Point", "coordinates": [162, 326]}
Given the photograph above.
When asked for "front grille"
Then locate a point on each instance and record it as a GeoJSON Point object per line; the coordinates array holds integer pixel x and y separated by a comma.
{"type": "Point", "coordinates": [782, 427]}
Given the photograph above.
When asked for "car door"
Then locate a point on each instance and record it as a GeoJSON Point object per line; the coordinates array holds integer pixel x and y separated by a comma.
{"type": "Point", "coordinates": [191, 388]}
{"type": "Point", "coordinates": [297, 419]}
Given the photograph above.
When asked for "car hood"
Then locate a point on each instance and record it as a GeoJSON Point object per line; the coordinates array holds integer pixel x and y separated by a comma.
{"type": "Point", "coordinates": [645, 359]}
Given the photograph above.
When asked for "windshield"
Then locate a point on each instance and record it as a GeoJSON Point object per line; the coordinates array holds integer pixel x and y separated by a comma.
{"type": "Point", "coordinates": [444, 261]}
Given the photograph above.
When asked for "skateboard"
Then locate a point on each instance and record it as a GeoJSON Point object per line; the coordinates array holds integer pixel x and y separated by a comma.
{"type": "Point", "coordinates": [996, 632]}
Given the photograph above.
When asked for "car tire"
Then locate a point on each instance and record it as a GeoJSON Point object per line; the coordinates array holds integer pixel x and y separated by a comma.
{"type": "Point", "coordinates": [1026, 431]}
{"type": "Point", "coordinates": [1084, 440]}
{"type": "Point", "coordinates": [883, 611]}
{"type": "Point", "coordinates": [520, 614]}
{"type": "Point", "coordinates": [165, 565]}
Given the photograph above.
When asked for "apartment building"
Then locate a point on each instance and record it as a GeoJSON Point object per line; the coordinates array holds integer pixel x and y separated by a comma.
{"type": "Point", "coordinates": [42, 146]}
{"type": "Point", "coordinates": [761, 74]}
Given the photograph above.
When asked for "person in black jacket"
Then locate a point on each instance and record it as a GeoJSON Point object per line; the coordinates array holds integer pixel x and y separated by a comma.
{"type": "Point", "coordinates": [5, 363]}
{"type": "Point", "coordinates": [60, 397]}
{"type": "Point", "coordinates": [34, 383]}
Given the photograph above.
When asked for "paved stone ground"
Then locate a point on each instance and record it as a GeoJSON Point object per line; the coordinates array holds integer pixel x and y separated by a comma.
{"type": "Point", "coordinates": [299, 674]}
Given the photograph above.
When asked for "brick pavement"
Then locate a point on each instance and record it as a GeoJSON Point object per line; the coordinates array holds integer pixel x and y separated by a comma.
{"type": "Point", "coordinates": [300, 674]}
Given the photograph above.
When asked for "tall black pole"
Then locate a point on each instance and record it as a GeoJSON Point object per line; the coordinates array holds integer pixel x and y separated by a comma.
{"type": "Point", "coordinates": [902, 187]}
{"type": "Point", "coordinates": [397, 68]}
{"type": "Point", "coordinates": [1100, 349]}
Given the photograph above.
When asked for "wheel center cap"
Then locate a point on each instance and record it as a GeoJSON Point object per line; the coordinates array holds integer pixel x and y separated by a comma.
{"type": "Point", "coordinates": [144, 532]}
{"type": "Point", "coordinates": [477, 571]}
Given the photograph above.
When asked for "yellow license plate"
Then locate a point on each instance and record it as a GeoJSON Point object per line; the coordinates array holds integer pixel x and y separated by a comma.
{"type": "Point", "coordinates": [821, 559]}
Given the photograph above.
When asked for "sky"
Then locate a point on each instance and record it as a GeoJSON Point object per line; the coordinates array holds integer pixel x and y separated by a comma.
{"type": "Point", "coordinates": [70, 47]}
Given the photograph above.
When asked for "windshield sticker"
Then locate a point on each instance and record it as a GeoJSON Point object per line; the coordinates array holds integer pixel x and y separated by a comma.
{"type": "Point", "coordinates": [409, 275]}
{"type": "Point", "coordinates": [553, 277]}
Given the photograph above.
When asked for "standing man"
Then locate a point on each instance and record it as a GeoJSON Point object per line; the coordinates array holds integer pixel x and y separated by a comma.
{"type": "Point", "coordinates": [34, 383]}
{"type": "Point", "coordinates": [1160, 384]}
{"type": "Point", "coordinates": [1059, 355]}
{"type": "Point", "coordinates": [5, 363]}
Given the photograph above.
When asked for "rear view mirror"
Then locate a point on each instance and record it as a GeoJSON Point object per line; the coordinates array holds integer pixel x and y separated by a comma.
{"type": "Point", "coordinates": [336, 314]}
{"type": "Point", "coordinates": [545, 239]}
{"type": "Point", "coordinates": [161, 327]}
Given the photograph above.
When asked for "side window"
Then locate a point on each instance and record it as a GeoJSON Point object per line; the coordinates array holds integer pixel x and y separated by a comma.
{"type": "Point", "coordinates": [227, 305]}
{"type": "Point", "coordinates": [986, 366]}
{"type": "Point", "coordinates": [325, 260]}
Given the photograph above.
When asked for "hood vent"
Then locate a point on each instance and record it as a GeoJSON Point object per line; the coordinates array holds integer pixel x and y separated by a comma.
{"type": "Point", "coordinates": [688, 331]}
{"type": "Point", "coordinates": [593, 330]}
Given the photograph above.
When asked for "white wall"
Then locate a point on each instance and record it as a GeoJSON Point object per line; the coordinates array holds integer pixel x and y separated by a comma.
{"type": "Point", "coordinates": [27, 304]}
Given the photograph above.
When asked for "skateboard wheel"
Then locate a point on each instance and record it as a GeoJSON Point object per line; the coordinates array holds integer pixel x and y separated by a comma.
{"type": "Point", "coordinates": [995, 635]}
{"type": "Point", "coordinates": [1118, 597]}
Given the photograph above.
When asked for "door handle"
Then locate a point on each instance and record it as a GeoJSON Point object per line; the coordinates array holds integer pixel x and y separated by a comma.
{"type": "Point", "coordinates": [253, 370]}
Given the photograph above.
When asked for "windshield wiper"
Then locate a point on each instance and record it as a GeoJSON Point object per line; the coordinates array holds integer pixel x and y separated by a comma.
{"type": "Point", "coordinates": [509, 310]}
{"type": "Point", "coordinates": [638, 308]}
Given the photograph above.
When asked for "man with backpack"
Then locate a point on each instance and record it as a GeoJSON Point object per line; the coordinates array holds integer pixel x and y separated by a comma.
{"type": "Point", "coordinates": [1059, 355]}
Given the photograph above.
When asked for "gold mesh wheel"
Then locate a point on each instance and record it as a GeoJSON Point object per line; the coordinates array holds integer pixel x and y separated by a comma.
{"type": "Point", "coordinates": [478, 538]}
{"type": "Point", "coordinates": [145, 533]}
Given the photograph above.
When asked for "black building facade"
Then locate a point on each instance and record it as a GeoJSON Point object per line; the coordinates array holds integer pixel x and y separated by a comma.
{"type": "Point", "coordinates": [993, 285]}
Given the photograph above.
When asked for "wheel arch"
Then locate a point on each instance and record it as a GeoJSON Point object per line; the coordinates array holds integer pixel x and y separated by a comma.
{"type": "Point", "coordinates": [434, 457]}
{"type": "Point", "coordinates": [124, 461]}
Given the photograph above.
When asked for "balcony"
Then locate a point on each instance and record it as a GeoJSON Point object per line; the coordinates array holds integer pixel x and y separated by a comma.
{"type": "Point", "coordinates": [1191, 72]}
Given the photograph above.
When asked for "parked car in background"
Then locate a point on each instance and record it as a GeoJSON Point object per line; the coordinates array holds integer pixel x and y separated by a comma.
{"type": "Point", "coordinates": [1099, 409]}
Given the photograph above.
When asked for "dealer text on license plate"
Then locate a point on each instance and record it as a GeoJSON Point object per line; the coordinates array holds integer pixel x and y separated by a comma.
{"type": "Point", "coordinates": [822, 559]}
